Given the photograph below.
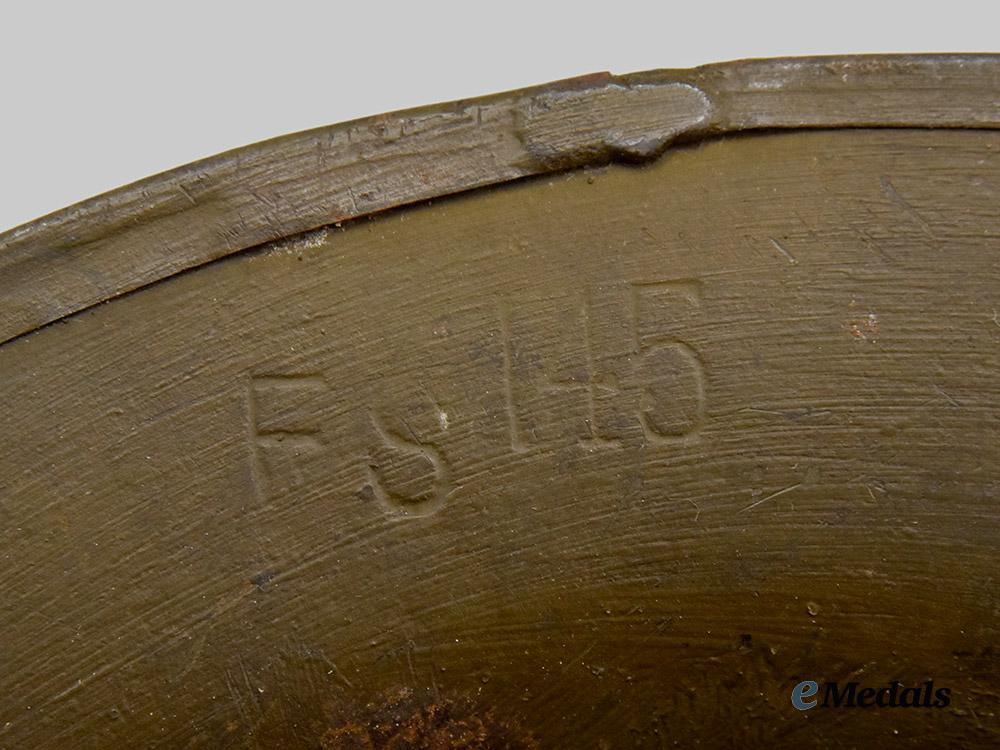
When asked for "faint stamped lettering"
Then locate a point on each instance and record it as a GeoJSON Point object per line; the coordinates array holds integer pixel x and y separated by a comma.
{"type": "Point", "coordinates": [284, 427]}
{"type": "Point", "coordinates": [605, 367]}
{"type": "Point", "coordinates": [608, 368]}
{"type": "Point", "coordinates": [408, 476]}
{"type": "Point", "coordinates": [670, 370]}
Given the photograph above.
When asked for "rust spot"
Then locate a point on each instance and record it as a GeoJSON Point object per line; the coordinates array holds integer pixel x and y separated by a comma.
{"type": "Point", "coordinates": [865, 327]}
{"type": "Point", "coordinates": [402, 721]}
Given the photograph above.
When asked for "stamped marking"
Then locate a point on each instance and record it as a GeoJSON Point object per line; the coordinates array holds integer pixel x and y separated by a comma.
{"type": "Point", "coordinates": [570, 371]}
{"type": "Point", "coordinates": [283, 425]}
{"type": "Point", "coordinates": [593, 384]}
{"type": "Point", "coordinates": [606, 368]}
{"type": "Point", "coordinates": [408, 476]}
{"type": "Point", "coordinates": [660, 309]}
{"type": "Point", "coordinates": [673, 402]}
{"type": "Point", "coordinates": [588, 382]}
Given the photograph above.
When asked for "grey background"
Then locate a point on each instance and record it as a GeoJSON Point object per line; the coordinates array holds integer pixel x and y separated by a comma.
{"type": "Point", "coordinates": [99, 94]}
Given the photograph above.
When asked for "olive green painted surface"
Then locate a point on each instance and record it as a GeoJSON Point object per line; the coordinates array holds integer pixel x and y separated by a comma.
{"type": "Point", "coordinates": [173, 222]}
{"type": "Point", "coordinates": [621, 454]}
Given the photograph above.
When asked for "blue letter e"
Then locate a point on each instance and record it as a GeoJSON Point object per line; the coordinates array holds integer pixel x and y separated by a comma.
{"type": "Point", "coordinates": [805, 689]}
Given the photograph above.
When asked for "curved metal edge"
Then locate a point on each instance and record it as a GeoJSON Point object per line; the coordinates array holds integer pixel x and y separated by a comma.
{"type": "Point", "coordinates": [142, 233]}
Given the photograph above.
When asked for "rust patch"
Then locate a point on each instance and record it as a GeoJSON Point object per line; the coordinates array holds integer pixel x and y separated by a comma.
{"type": "Point", "coordinates": [864, 327]}
{"type": "Point", "coordinates": [402, 721]}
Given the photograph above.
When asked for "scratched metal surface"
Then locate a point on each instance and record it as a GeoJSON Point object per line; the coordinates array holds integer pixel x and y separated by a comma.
{"type": "Point", "coordinates": [126, 239]}
{"type": "Point", "coordinates": [620, 455]}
